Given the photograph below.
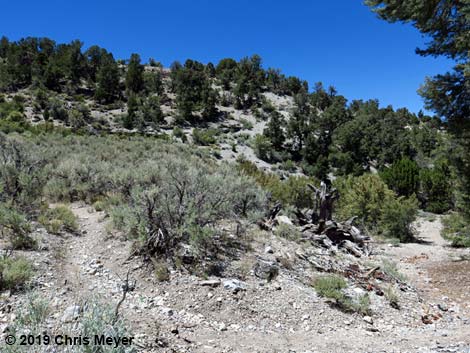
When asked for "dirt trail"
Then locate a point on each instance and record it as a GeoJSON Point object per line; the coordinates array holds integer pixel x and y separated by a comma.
{"type": "Point", "coordinates": [92, 262]}
{"type": "Point", "coordinates": [433, 266]}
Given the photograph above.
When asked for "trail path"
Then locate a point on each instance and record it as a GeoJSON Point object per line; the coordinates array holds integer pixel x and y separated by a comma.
{"type": "Point", "coordinates": [435, 267]}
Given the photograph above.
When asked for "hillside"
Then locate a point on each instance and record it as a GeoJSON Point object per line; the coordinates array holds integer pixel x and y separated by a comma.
{"type": "Point", "coordinates": [220, 208]}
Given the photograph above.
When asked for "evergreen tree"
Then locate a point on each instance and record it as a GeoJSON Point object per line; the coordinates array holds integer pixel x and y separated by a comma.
{"type": "Point", "coordinates": [299, 125]}
{"type": "Point", "coordinates": [274, 130]}
{"type": "Point", "coordinates": [436, 188]}
{"type": "Point", "coordinates": [226, 71]}
{"type": "Point", "coordinates": [153, 82]}
{"type": "Point", "coordinates": [151, 110]}
{"type": "Point", "coordinates": [94, 56]}
{"type": "Point", "coordinates": [107, 80]}
{"type": "Point", "coordinates": [134, 76]}
{"type": "Point", "coordinates": [130, 120]}
{"type": "Point", "coordinates": [76, 62]}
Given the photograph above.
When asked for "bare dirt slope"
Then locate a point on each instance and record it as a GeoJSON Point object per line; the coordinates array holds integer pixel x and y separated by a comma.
{"type": "Point", "coordinates": [284, 315]}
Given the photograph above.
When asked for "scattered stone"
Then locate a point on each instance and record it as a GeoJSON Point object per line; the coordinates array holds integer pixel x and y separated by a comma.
{"type": "Point", "coordinates": [168, 311]}
{"type": "Point", "coordinates": [234, 285]}
{"type": "Point", "coordinates": [210, 283]}
{"type": "Point", "coordinates": [368, 319]}
{"type": "Point", "coordinates": [268, 250]}
{"type": "Point", "coordinates": [442, 307]}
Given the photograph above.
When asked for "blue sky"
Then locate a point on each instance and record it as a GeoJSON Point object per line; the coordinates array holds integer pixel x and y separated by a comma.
{"type": "Point", "coordinates": [340, 43]}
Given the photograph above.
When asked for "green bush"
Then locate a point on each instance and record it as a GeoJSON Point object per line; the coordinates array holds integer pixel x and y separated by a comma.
{"type": "Point", "coordinates": [57, 110]}
{"type": "Point", "coordinates": [14, 272]}
{"type": "Point", "coordinates": [396, 218]}
{"type": "Point", "coordinates": [58, 219]}
{"type": "Point", "coordinates": [21, 179]}
{"type": "Point", "coordinates": [185, 197]}
{"type": "Point", "coordinates": [363, 197]}
{"type": "Point", "coordinates": [96, 317]}
{"type": "Point", "coordinates": [291, 191]}
{"type": "Point", "coordinates": [204, 137]}
{"type": "Point", "coordinates": [179, 133]}
{"type": "Point", "coordinates": [16, 227]}
{"type": "Point", "coordinates": [286, 231]}
{"type": "Point", "coordinates": [377, 207]}
{"type": "Point", "coordinates": [263, 148]}
{"type": "Point", "coordinates": [332, 286]}
{"type": "Point", "coordinates": [145, 184]}
{"type": "Point", "coordinates": [457, 230]}
{"type": "Point", "coordinates": [402, 177]}
{"type": "Point", "coordinates": [390, 269]}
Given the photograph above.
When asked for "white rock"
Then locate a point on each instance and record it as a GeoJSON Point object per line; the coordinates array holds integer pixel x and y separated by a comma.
{"type": "Point", "coordinates": [368, 319]}
{"type": "Point", "coordinates": [284, 220]}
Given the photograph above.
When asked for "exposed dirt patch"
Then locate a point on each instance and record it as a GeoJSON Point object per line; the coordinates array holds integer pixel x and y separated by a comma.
{"type": "Point", "coordinates": [453, 280]}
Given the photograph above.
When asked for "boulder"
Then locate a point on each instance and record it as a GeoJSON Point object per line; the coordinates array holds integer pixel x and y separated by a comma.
{"type": "Point", "coordinates": [234, 285]}
{"type": "Point", "coordinates": [266, 270]}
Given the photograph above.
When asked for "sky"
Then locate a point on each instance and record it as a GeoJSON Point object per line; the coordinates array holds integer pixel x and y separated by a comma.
{"type": "Point", "coordinates": [340, 43]}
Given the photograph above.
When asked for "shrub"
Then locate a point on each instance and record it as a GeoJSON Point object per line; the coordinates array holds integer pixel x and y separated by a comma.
{"type": "Point", "coordinates": [204, 137]}
{"type": "Point", "coordinates": [34, 312]}
{"type": "Point", "coordinates": [392, 297]}
{"type": "Point", "coordinates": [390, 269]}
{"type": "Point", "coordinates": [161, 272]}
{"type": "Point", "coordinates": [57, 110]}
{"type": "Point", "coordinates": [97, 317]}
{"type": "Point", "coordinates": [363, 197]}
{"type": "Point", "coordinates": [14, 272]}
{"type": "Point", "coordinates": [179, 133]}
{"type": "Point", "coordinates": [247, 125]}
{"type": "Point", "coordinates": [20, 178]}
{"type": "Point", "coordinates": [457, 230]}
{"type": "Point", "coordinates": [58, 219]}
{"type": "Point", "coordinates": [16, 227]}
{"type": "Point", "coordinates": [330, 286]}
{"type": "Point", "coordinates": [397, 217]}
{"type": "Point", "coordinates": [284, 230]}
{"type": "Point", "coordinates": [376, 206]}
{"type": "Point", "coordinates": [402, 177]}
{"type": "Point", "coordinates": [289, 166]}
{"type": "Point", "coordinates": [263, 148]}
{"type": "Point", "coordinates": [291, 191]}
{"type": "Point", "coordinates": [183, 198]}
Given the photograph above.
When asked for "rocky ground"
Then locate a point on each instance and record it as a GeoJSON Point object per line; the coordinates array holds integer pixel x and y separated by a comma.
{"type": "Point", "coordinates": [242, 312]}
